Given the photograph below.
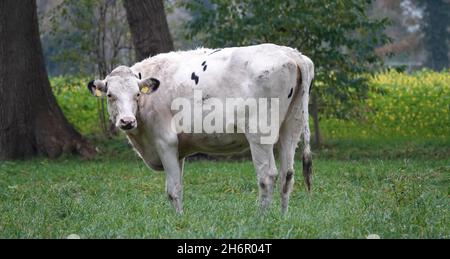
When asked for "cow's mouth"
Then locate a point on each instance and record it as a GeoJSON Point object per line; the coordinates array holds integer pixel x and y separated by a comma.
{"type": "Point", "coordinates": [127, 127]}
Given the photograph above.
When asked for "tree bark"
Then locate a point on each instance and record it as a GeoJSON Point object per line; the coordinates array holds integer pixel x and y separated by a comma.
{"type": "Point", "coordinates": [31, 122]}
{"type": "Point", "coordinates": [149, 28]}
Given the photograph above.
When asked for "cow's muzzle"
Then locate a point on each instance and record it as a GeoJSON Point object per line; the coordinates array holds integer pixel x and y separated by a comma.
{"type": "Point", "coordinates": [127, 123]}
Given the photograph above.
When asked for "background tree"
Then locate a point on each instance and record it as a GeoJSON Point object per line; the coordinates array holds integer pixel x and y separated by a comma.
{"type": "Point", "coordinates": [338, 36]}
{"type": "Point", "coordinates": [31, 121]}
{"type": "Point", "coordinates": [89, 37]}
{"type": "Point", "coordinates": [406, 49]}
{"type": "Point", "coordinates": [437, 34]}
{"type": "Point", "coordinates": [149, 29]}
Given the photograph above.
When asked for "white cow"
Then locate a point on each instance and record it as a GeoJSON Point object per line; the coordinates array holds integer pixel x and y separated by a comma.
{"type": "Point", "coordinates": [141, 100]}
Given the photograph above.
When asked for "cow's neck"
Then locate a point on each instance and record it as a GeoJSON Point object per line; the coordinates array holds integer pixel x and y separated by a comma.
{"type": "Point", "coordinates": [144, 145]}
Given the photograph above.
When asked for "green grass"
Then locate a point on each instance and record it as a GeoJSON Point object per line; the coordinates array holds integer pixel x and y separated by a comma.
{"type": "Point", "coordinates": [405, 195]}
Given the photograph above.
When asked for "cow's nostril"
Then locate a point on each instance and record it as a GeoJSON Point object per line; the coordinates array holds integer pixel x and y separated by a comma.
{"type": "Point", "coordinates": [127, 123]}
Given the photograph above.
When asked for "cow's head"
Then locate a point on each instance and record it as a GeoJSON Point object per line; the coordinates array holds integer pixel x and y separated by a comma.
{"type": "Point", "coordinates": [123, 89]}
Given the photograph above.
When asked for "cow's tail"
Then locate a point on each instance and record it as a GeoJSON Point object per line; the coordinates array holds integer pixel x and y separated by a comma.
{"type": "Point", "coordinates": [307, 70]}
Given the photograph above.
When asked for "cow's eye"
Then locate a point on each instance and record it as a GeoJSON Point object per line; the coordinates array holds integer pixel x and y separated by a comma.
{"type": "Point", "coordinates": [138, 95]}
{"type": "Point", "coordinates": [109, 95]}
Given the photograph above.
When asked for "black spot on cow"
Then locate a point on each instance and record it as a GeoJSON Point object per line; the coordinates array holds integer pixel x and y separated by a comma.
{"type": "Point", "coordinates": [204, 66]}
{"type": "Point", "coordinates": [289, 176]}
{"type": "Point", "coordinates": [215, 51]}
{"type": "Point", "coordinates": [264, 74]}
{"type": "Point", "coordinates": [290, 93]}
{"type": "Point", "coordinates": [195, 78]}
{"type": "Point", "coordinates": [206, 97]}
{"type": "Point", "coordinates": [262, 185]}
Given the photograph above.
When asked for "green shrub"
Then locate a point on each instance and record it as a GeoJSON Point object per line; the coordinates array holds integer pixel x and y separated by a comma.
{"type": "Point", "coordinates": [78, 105]}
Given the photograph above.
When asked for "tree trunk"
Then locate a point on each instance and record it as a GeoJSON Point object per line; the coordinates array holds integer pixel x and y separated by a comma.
{"type": "Point", "coordinates": [31, 122]}
{"type": "Point", "coordinates": [315, 115]}
{"type": "Point", "coordinates": [437, 35]}
{"type": "Point", "coordinates": [149, 28]}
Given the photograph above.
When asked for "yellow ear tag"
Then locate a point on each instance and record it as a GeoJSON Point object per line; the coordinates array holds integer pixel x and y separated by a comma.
{"type": "Point", "coordinates": [145, 89]}
{"type": "Point", "coordinates": [98, 93]}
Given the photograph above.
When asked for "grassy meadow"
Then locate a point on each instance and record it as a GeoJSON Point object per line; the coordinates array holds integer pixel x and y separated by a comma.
{"type": "Point", "coordinates": [402, 196]}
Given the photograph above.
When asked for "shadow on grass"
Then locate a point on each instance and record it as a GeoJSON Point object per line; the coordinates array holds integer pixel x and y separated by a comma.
{"type": "Point", "coordinates": [382, 148]}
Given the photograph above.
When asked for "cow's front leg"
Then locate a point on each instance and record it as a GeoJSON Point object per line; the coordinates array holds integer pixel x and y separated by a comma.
{"type": "Point", "coordinates": [174, 182]}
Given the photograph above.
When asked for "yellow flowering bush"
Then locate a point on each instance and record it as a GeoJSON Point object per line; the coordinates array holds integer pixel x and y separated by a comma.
{"type": "Point", "coordinates": [399, 105]}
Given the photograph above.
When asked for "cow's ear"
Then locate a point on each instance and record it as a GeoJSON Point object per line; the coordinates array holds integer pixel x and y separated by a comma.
{"type": "Point", "coordinates": [97, 87]}
{"type": "Point", "coordinates": [148, 85]}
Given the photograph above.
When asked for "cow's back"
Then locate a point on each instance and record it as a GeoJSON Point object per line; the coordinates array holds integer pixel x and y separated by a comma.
{"type": "Point", "coordinates": [247, 72]}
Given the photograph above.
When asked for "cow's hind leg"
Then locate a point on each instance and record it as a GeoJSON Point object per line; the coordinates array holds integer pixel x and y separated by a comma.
{"type": "Point", "coordinates": [266, 171]}
{"type": "Point", "coordinates": [287, 144]}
